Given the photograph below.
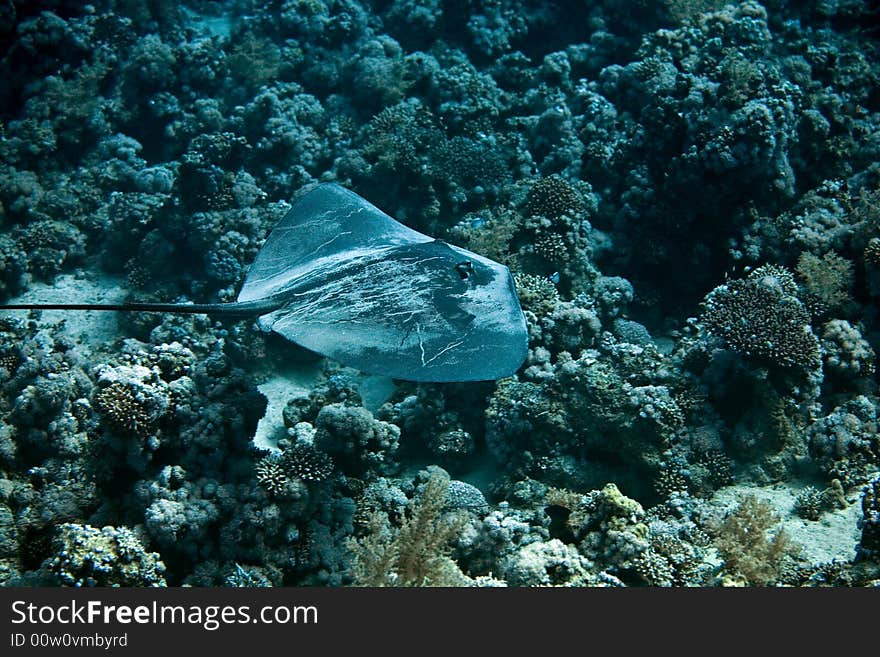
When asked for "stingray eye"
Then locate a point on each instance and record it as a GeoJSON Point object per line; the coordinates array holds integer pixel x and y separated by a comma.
{"type": "Point", "coordinates": [465, 269]}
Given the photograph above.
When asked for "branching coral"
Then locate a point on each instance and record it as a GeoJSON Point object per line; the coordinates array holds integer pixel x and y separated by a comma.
{"type": "Point", "coordinates": [757, 317]}
{"type": "Point", "coordinates": [119, 404]}
{"type": "Point", "coordinates": [553, 197]}
{"type": "Point", "coordinates": [536, 293]}
{"type": "Point", "coordinates": [298, 461]}
{"type": "Point", "coordinates": [49, 244]}
{"type": "Point", "coordinates": [676, 556]}
{"type": "Point", "coordinates": [751, 551]}
{"type": "Point", "coordinates": [271, 474]}
{"type": "Point", "coordinates": [828, 280]}
{"type": "Point", "coordinates": [811, 503]}
{"type": "Point", "coordinates": [306, 462]}
{"type": "Point", "coordinates": [416, 553]}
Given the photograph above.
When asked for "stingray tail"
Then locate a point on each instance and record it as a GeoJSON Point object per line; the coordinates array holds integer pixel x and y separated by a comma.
{"type": "Point", "coordinates": [236, 309]}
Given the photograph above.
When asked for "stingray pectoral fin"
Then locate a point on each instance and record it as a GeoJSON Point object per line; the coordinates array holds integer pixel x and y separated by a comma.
{"type": "Point", "coordinates": [328, 223]}
{"type": "Point", "coordinates": [413, 312]}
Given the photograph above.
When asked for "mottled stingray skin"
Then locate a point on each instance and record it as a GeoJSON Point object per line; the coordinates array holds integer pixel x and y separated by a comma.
{"type": "Point", "coordinates": [342, 278]}
{"type": "Point", "coordinates": [353, 284]}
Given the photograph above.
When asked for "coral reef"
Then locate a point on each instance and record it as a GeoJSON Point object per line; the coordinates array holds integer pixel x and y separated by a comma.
{"type": "Point", "coordinates": [687, 195]}
{"type": "Point", "coordinates": [416, 553]}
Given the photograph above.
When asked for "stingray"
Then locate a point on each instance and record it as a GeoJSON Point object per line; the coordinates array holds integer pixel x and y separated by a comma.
{"type": "Point", "coordinates": [343, 279]}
